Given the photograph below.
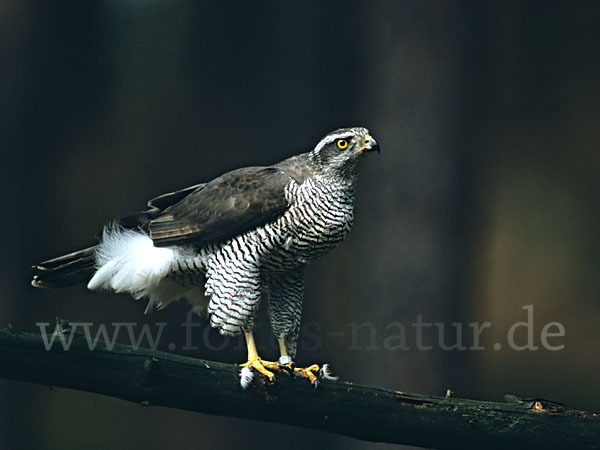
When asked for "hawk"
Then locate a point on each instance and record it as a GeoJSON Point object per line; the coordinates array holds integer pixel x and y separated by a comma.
{"type": "Point", "coordinates": [225, 244]}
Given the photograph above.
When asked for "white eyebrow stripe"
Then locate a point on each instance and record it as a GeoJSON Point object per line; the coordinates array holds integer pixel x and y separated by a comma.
{"type": "Point", "coordinates": [332, 137]}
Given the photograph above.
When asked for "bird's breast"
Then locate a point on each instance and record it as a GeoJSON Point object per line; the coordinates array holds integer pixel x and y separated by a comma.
{"type": "Point", "coordinates": [317, 221]}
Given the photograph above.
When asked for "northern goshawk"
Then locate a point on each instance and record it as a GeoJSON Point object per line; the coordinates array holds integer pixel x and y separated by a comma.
{"type": "Point", "coordinates": [220, 245]}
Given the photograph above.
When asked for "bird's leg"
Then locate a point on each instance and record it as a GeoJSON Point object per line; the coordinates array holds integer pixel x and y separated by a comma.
{"type": "Point", "coordinates": [286, 363]}
{"type": "Point", "coordinates": [254, 361]}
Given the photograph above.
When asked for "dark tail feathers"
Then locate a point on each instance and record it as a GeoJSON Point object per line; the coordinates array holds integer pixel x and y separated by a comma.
{"type": "Point", "coordinates": [78, 267]}
{"type": "Point", "coordinates": [67, 270]}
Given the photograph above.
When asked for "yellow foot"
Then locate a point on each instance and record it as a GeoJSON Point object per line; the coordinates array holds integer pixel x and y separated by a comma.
{"type": "Point", "coordinates": [309, 372]}
{"type": "Point", "coordinates": [263, 367]}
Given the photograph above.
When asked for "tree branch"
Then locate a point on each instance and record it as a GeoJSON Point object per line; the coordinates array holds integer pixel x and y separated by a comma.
{"type": "Point", "coordinates": [367, 413]}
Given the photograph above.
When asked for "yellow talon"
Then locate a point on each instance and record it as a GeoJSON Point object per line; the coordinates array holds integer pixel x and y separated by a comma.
{"type": "Point", "coordinates": [261, 367]}
{"type": "Point", "coordinates": [308, 372]}
{"type": "Point", "coordinates": [254, 361]}
{"type": "Point", "coordinates": [285, 364]}
{"type": "Point", "coordinates": [290, 366]}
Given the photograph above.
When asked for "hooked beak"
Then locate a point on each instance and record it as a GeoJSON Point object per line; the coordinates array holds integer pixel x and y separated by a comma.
{"type": "Point", "coordinates": [371, 144]}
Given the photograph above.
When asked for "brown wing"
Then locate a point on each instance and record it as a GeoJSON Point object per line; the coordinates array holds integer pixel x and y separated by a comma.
{"type": "Point", "coordinates": [156, 206]}
{"type": "Point", "coordinates": [166, 200]}
{"type": "Point", "coordinates": [296, 167]}
{"type": "Point", "coordinates": [229, 205]}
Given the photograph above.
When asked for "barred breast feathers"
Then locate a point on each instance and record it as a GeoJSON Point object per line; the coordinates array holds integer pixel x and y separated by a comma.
{"type": "Point", "coordinates": [127, 261]}
{"type": "Point", "coordinates": [326, 213]}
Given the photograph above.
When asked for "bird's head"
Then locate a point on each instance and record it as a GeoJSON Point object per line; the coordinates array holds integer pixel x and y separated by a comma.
{"type": "Point", "coordinates": [340, 154]}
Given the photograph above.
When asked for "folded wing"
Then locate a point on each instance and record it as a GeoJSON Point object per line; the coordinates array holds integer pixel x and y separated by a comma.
{"type": "Point", "coordinates": [226, 206]}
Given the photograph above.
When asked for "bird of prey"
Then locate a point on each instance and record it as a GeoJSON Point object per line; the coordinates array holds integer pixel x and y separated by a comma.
{"type": "Point", "coordinates": [224, 244]}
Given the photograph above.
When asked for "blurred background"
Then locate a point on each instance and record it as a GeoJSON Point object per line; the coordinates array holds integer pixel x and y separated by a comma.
{"type": "Point", "coordinates": [485, 197]}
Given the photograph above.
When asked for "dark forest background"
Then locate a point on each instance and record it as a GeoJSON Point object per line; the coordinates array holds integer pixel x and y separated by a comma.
{"type": "Point", "coordinates": [485, 197]}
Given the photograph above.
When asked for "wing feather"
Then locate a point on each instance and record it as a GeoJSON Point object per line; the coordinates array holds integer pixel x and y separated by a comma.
{"type": "Point", "coordinates": [226, 206]}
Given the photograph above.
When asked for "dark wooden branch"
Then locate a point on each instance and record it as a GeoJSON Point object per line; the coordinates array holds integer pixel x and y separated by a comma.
{"type": "Point", "coordinates": [367, 413]}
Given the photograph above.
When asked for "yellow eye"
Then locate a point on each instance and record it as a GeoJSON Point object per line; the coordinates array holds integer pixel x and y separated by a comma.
{"type": "Point", "coordinates": [342, 144]}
